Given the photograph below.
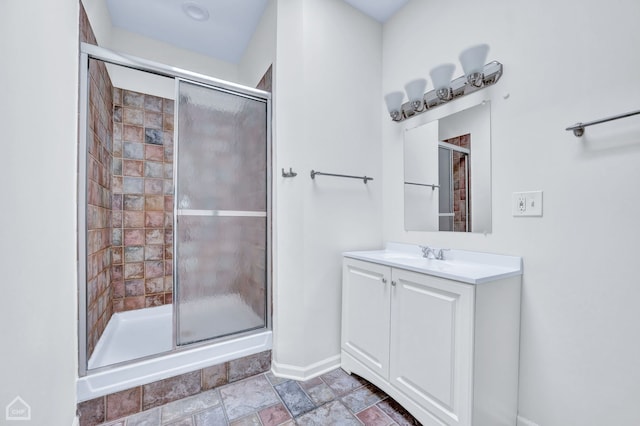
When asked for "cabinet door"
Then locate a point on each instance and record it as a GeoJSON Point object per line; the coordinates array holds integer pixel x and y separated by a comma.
{"type": "Point", "coordinates": [432, 343]}
{"type": "Point", "coordinates": [365, 313]}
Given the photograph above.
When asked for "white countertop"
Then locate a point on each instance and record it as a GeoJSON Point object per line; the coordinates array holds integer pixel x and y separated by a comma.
{"type": "Point", "coordinates": [460, 265]}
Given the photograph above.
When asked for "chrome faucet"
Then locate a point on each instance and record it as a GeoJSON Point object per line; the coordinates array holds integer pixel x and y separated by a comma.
{"type": "Point", "coordinates": [437, 254]}
{"type": "Point", "coordinates": [426, 251]}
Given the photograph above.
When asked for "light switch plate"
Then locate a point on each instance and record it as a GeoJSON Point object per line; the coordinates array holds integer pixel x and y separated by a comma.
{"type": "Point", "coordinates": [527, 203]}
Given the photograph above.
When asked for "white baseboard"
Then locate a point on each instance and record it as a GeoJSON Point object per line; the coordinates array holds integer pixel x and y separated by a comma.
{"type": "Point", "coordinates": [525, 422]}
{"type": "Point", "coordinates": [305, 373]}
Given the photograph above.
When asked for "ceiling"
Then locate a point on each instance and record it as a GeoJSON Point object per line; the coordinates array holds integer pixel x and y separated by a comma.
{"type": "Point", "coordinates": [380, 10]}
{"type": "Point", "coordinates": [218, 28]}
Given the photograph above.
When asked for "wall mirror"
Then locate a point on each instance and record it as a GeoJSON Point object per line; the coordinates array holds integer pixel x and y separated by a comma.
{"type": "Point", "coordinates": [447, 173]}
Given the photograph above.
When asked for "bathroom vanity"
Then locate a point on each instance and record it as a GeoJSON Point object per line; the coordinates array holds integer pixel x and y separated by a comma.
{"type": "Point", "coordinates": [441, 337]}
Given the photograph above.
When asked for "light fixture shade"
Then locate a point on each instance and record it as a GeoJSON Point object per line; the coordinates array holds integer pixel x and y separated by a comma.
{"type": "Point", "coordinates": [394, 102]}
{"type": "Point", "coordinates": [415, 89]}
{"type": "Point", "coordinates": [441, 76]}
{"type": "Point", "coordinates": [474, 58]}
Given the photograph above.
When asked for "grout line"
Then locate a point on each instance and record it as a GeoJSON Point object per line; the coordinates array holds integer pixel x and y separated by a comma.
{"type": "Point", "coordinates": [221, 403]}
{"type": "Point", "coordinates": [280, 398]}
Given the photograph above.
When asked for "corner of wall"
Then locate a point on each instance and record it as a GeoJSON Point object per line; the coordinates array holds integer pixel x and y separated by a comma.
{"type": "Point", "coordinates": [40, 118]}
{"type": "Point", "coordinates": [525, 422]}
{"type": "Point", "coordinates": [320, 68]}
{"type": "Point", "coordinates": [295, 372]}
{"type": "Point", "coordinates": [261, 51]}
{"type": "Point", "coordinates": [100, 20]}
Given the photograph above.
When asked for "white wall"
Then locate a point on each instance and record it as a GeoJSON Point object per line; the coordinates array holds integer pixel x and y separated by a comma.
{"type": "Point", "coordinates": [564, 62]}
{"type": "Point", "coordinates": [144, 47]}
{"type": "Point", "coordinates": [100, 19]}
{"type": "Point", "coordinates": [327, 93]}
{"type": "Point", "coordinates": [261, 51]}
{"type": "Point", "coordinates": [38, 110]}
{"type": "Point", "coordinates": [123, 41]}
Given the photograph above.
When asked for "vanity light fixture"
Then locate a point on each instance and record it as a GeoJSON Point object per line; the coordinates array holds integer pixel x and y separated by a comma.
{"type": "Point", "coordinates": [472, 60]}
{"type": "Point", "coordinates": [476, 76]}
{"type": "Point", "coordinates": [415, 93]}
{"type": "Point", "coordinates": [441, 77]}
{"type": "Point", "coordinates": [394, 105]}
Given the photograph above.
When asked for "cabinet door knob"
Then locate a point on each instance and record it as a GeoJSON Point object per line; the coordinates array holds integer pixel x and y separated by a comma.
{"type": "Point", "coordinates": [384, 281]}
{"type": "Point", "coordinates": [393, 283]}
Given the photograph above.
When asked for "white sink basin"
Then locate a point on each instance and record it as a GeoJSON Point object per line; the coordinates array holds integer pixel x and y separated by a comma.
{"type": "Point", "coordinates": [400, 255]}
{"type": "Point", "coordinates": [460, 265]}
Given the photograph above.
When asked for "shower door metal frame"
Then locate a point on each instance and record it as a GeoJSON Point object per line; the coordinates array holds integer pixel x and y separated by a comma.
{"type": "Point", "coordinates": [89, 51]}
{"type": "Point", "coordinates": [217, 213]}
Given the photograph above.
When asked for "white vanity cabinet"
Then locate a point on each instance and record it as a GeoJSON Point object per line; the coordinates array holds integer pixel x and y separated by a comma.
{"type": "Point", "coordinates": [366, 294]}
{"type": "Point", "coordinates": [446, 350]}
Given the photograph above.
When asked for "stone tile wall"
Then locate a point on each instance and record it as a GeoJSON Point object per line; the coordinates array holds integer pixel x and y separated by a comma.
{"type": "Point", "coordinates": [99, 163]}
{"type": "Point", "coordinates": [142, 272]}
{"type": "Point", "coordinates": [129, 198]}
{"type": "Point", "coordinates": [145, 397]}
{"type": "Point", "coordinates": [266, 82]}
{"type": "Point", "coordinates": [461, 208]}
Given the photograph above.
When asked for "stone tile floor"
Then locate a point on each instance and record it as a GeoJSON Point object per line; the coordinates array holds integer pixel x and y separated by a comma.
{"type": "Point", "coordinates": [335, 398]}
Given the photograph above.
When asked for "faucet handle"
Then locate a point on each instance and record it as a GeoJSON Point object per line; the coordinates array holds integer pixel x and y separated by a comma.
{"type": "Point", "coordinates": [440, 254]}
{"type": "Point", "coordinates": [426, 250]}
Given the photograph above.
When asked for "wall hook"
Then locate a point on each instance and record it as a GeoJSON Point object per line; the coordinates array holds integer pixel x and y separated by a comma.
{"type": "Point", "coordinates": [288, 174]}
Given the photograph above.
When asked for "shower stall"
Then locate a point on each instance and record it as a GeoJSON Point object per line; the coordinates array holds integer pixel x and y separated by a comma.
{"type": "Point", "coordinates": [174, 223]}
{"type": "Point", "coordinates": [454, 178]}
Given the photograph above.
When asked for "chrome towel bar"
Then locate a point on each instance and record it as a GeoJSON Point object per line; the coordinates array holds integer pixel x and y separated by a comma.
{"type": "Point", "coordinates": [578, 128]}
{"type": "Point", "coordinates": [432, 185]}
{"type": "Point", "coordinates": [364, 178]}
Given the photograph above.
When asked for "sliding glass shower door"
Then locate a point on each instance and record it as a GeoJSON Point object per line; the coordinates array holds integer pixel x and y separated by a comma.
{"type": "Point", "coordinates": [222, 204]}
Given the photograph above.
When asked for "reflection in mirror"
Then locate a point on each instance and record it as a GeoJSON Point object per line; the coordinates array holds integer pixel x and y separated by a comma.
{"type": "Point", "coordinates": [447, 173]}
{"type": "Point", "coordinates": [454, 175]}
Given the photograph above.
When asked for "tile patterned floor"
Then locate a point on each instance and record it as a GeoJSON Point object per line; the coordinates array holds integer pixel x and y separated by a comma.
{"type": "Point", "coordinates": [334, 398]}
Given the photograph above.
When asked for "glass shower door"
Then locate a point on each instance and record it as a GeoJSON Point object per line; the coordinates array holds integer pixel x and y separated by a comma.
{"type": "Point", "coordinates": [221, 213]}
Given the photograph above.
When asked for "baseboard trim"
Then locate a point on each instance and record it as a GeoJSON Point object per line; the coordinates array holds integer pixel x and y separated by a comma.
{"type": "Point", "coordinates": [305, 373]}
{"type": "Point", "coordinates": [522, 421]}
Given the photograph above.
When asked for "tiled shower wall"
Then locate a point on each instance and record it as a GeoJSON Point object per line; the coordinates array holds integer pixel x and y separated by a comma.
{"type": "Point", "coordinates": [129, 198]}
{"type": "Point", "coordinates": [142, 217]}
{"type": "Point", "coordinates": [99, 164]}
{"type": "Point", "coordinates": [460, 195]}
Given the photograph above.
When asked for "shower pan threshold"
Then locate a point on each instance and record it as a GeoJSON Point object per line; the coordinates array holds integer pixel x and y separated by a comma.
{"type": "Point", "coordinates": [144, 338]}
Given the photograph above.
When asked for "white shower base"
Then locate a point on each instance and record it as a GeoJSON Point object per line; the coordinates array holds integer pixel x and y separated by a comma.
{"type": "Point", "coordinates": [219, 316]}
{"type": "Point", "coordinates": [140, 334]}
{"type": "Point", "coordinates": [134, 334]}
